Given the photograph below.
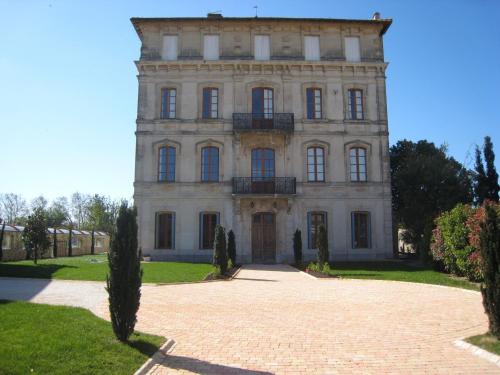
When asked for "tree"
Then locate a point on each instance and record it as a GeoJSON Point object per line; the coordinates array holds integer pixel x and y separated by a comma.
{"type": "Point", "coordinates": [480, 183]}
{"type": "Point", "coordinates": [70, 240]}
{"type": "Point", "coordinates": [231, 247]}
{"type": "Point", "coordinates": [491, 172]}
{"type": "Point", "coordinates": [125, 274]}
{"type": "Point", "coordinates": [425, 183]}
{"type": "Point", "coordinates": [58, 213]}
{"type": "Point", "coordinates": [78, 208]}
{"type": "Point", "coordinates": [490, 251]}
{"type": "Point", "coordinates": [2, 231]}
{"type": "Point", "coordinates": [100, 213]}
{"type": "Point", "coordinates": [54, 243]}
{"type": "Point", "coordinates": [92, 245]}
{"type": "Point", "coordinates": [322, 244]}
{"type": "Point", "coordinates": [13, 208]}
{"type": "Point", "coordinates": [220, 253]}
{"type": "Point", "coordinates": [297, 246]}
{"type": "Point", "coordinates": [39, 203]}
{"type": "Point", "coordinates": [35, 235]}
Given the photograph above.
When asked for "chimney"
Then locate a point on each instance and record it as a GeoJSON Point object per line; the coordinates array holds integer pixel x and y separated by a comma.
{"type": "Point", "coordinates": [376, 16]}
{"type": "Point", "coordinates": [214, 15]}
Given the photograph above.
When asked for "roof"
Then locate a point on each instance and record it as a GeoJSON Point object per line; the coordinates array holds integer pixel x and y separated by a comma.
{"type": "Point", "coordinates": [18, 228]}
{"type": "Point", "coordinates": [384, 22]}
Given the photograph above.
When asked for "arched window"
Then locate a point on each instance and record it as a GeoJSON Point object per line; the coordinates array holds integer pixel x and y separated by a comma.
{"type": "Point", "coordinates": [210, 164]}
{"type": "Point", "coordinates": [262, 163]}
{"type": "Point", "coordinates": [166, 164]}
{"type": "Point", "coordinates": [316, 164]}
{"type": "Point", "coordinates": [357, 156]}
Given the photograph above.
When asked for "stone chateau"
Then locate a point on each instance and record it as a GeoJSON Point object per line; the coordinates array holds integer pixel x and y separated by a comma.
{"type": "Point", "coordinates": [265, 126]}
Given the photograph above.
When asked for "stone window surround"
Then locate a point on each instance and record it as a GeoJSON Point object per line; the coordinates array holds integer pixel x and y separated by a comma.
{"type": "Point", "coordinates": [277, 94]}
{"type": "Point", "coordinates": [156, 150]}
{"type": "Point", "coordinates": [352, 34]}
{"type": "Point", "coordinates": [350, 228]}
{"type": "Point", "coordinates": [174, 229]}
{"type": "Point", "coordinates": [200, 226]}
{"type": "Point", "coordinates": [178, 105]}
{"type": "Point", "coordinates": [209, 143]}
{"type": "Point", "coordinates": [324, 100]}
{"type": "Point", "coordinates": [364, 91]}
{"type": "Point", "coordinates": [326, 148]}
{"type": "Point", "coordinates": [347, 148]}
{"type": "Point", "coordinates": [199, 105]}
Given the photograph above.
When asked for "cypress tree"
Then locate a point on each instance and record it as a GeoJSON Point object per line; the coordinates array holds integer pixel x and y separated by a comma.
{"type": "Point", "coordinates": [480, 188]}
{"type": "Point", "coordinates": [125, 274]}
{"type": "Point", "coordinates": [231, 247]}
{"type": "Point", "coordinates": [220, 253]}
{"type": "Point", "coordinates": [322, 244]}
{"type": "Point", "coordinates": [70, 239]}
{"type": "Point", "coordinates": [297, 246]}
{"type": "Point", "coordinates": [54, 244]}
{"type": "Point", "coordinates": [492, 187]}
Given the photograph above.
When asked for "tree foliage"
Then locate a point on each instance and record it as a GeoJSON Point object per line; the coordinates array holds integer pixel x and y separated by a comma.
{"type": "Point", "coordinates": [35, 237]}
{"type": "Point", "coordinates": [220, 253]}
{"type": "Point", "coordinates": [486, 180]}
{"type": "Point", "coordinates": [13, 208]}
{"type": "Point", "coordinates": [425, 183]}
{"type": "Point", "coordinates": [297, 246]}
{"type": "Point", "coordinates": [231, 247]}
{"type": "Point", "coordinates": [2, 232]}
{"type": "Point", "coordinates": [322, 244]}
{"type": "Point", "coordinates": [125, 274]}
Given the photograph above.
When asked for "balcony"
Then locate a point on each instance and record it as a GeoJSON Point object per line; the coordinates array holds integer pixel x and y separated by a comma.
{"type": "Point", "coordinates": [264, 185]}
{"type": "Point", "coordinates": [263, 122]}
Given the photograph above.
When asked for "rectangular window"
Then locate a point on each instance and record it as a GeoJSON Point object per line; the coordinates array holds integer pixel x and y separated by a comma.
{"type": "Point", "coordinates": [314, 220]}
{"type": "Point", "coordinates": [211, 47]}
{"type": "Point", "coordinates": [314, 103]}
{"type": "Point", "coordinates": [361, 230]}
{"type": "Point", "coordinates": [315, 164]}
{"type": "Point", "coordinates": [352, 51]}
{"type": "Point", "coordinates": [75, 242]}
{"type": "Point", "coordinates": [169, 47]}
{"type": "Point", "coordinates": [165, 230]}
{"type": "Point", "coordinates": [210, 102]}
{"type": "Point", "coordinates": [262, 47]}
{"type": "Point", "coordinates": [6, 244]}
{"type": "Point", "coordinates": [98, 242]}
{"type": "Point", "coordinates": [355, 104]}
{"type": "Point", "coordinates": [357, 161]}
{"type": "Point", "coordinates": [208, 222]}
{"type": "Point", "coordinates": [210, 164]}
{"type": "Point", "coordinates": [311, 48]}
{"type": "Point", "coordinates": [166, 164]}
{"type": "Point", "coordinates": [168, 103]}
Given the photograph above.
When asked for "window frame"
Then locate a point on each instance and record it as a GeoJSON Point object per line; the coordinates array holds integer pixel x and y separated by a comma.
{"type": "Point", "coordinates": [202, 238]}
{"type": "Point", "coordinates": [207, 111]}
{"type": "Point", "coordinates": [217, 51]}
{"type": "Point", "coordinates": [353, 111]}
{"type": "Point", "coordinates": [166, 103]}
{"type": "Point", "coordinates": [263, 57]}
{"type": "Point", "coordinates": [211, 176]}
{"type": "Point", "coordinates": [164, 55]}
{"type": "Point", "coordinates": [357, 165]}
{"type": "Point", "coordinates": [355, 226]}
{"type": "Point", "coordinates": [312, 103]}
{"type": "Point", "coordinates": [315, 163]}
{"type": "Point", "coordinates": [261, 157]}
{"type": "Point", "coordinates": [169, 175]}
{"type": "Point", "coordinates": [172, 230]}
{"type": "Point", "coordinates": [310, 234]}
{"type": "Point", "coordinates": [315, 37]}
{"type": "Point", "coordinates": [358, 52]}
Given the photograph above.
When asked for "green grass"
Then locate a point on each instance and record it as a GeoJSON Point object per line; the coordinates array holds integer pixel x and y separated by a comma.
{"type": "Point", "coordinates": [487, 342]}
{"type": "Point", "coordinates": [43, 339]}
{"type": "Point", "coordinates": [95, 268]}
{"type": "Point", "coordinates": [398, 271]}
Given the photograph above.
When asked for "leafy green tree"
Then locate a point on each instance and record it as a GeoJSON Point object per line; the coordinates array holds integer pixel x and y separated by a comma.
{"type": "Point", "coordinates": [490, 250]}
{"type": "Point", "coordinates": [13, 208]}
{"type": "Point", "coordinates": [425, 183]}
{"type": "Point", "coordinates": [231, 247]}
{"type": "Point", "coordinates": [220, 253]}
{"type": "Point", "coordinates": [297, 246]}
{"type": "Point", "coordinates": [58, 213]}
{"type": "Point", "coordinates": [35, 236]}
{"type": "Point", "coordinates": [101, 213]}
{"type": "Point", "coordinates": [125, 274]}
{"type": "Point", "coordinates": [322, 244]}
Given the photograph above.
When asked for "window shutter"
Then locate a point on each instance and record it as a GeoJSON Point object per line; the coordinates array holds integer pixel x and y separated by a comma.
{"type": "Point", "coordinates": [173, 230]}
{"type": "Point", "coordinates": [258, 101]}
{"type": "Point", "coordinates": [352, 52]}
{"type": "Point", "coordinates": [206, 102]}
{"type": "Point", "coordinates": [200, 230]}
{"type": "Point", "coordinates": [353, 239]}
{"type": "Point", "coordinates": [211, 47]}
{"type": "Point", "coordinates": [310, 103]}
{"type": "Point", "coordinates": [309, 239]}
{"type": "Point", "coordinates": [261, 48]}
{"type": "Point", "coordinates": [169, 48]}
{"type": "Point", "coordinates": [369, 229]}
{"type": "Point", "coordinates": [311, 48]}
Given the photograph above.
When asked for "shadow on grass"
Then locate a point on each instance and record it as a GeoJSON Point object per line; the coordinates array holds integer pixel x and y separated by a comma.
{"type": "Point", "coordinates": [37, 271]}
{"type": "Point", "coordinates": [143, 346]}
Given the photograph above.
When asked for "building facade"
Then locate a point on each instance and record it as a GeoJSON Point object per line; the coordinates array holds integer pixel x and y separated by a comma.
{"type": "Point", "coordinates": [265, 126]}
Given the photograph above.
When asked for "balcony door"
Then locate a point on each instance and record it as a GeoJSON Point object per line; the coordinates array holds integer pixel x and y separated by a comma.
{"type": "Point", "coordinates": [262, 108]}
{"type": "Point", "coordinates": [263, 237]}
{"type": "Point", "coordinates": [263, 171]}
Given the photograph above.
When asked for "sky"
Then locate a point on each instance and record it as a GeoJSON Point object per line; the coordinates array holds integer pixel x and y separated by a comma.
{"type": "Point", "coordinates": [68, 85]}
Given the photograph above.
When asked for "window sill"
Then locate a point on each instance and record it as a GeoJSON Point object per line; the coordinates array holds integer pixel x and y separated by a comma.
{"type": "Point", "coordinates": [161, 248]}
{"type": "Point", "coordinates": [354, 122]}
{"type": "Point", "coordinates": [315, 120]}
{"type": "Point", "coordinates": [165, 182]}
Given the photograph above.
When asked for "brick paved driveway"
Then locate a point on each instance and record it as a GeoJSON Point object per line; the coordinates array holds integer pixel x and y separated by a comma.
{"type": "Point", "coordinates": [273, 319]}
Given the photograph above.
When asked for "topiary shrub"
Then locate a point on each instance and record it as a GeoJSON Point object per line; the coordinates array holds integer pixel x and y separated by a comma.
{"type": "Point", "coordinates": [231, 248]}
{"type": "Point", "coordinates": [297, 246]}
{"type": "Point", "coordinates": [220, 252]}
{"type": "Point", "coordinates": [322, 244]}
{"type": "Point", "coordinates": [125, 274]}
{"type": "Point", "coordinates": [490, 250]}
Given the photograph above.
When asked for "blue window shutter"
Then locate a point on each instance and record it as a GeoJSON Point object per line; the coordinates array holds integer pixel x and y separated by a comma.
{"type": "Point", "coordinates": [369, 225]}
{"type": "Point", "coordinates": [258, 101]}
{"type": "Point", "coordinates": [206, 102]}
{"type": "Point", "coordinates": [164, 100]}
{"type": "Point", "coordinates": [310, 103]}
{"type": "Point", "coordinates": [173, 230]}
{"type": "Point", "coordinates": [309, 231]}
{"type": "Point", "coordinates": [200, 227]}
{"type": "Point", "coordinates": [352, 230]}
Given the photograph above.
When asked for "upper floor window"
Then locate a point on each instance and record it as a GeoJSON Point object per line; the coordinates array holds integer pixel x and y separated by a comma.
{"type": "Point", "coordinates": [165, 230]}
{"type": "Point", "coordinates": [311, 48]}
{"type": "Point", "coordinates": [208, 222]}
{"type": "Point", "coordinates": [262, 48]}
{"type": "Point", "coordinates": [314, 220]}
{"type": "Point", "coordinates": [210, 164]}
{"type": "Point", "coordinates": [169, 47]}
{"type": "Point", "coordinates": [314, 103]}
{"type": "Point", "coordinates": [262, 102]}
{"type": "Point", "coordinates": [166, 164]}
{"type": "Point", "coordinates": [168, 103]}
{"type": "Point", "coordinates": [352, 51]}
{"type": "Point", "coordinates": [211, 47]}
{"type": "Point", "coordinates": [361, 230]}
{"type": "Point", "coordinates": [315, 164]}
{"type": "Point", "coordinates": [357, 156]}
{"type": "Point", "coordinates": [355, 104]}
{"type": "Point", "coordinates": [262, 163]}
{"type": "Point", "coordinates": [210, 102]}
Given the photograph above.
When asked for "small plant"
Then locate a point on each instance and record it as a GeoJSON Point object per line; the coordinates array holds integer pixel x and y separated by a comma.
{"type": "Point", "coordinates": [297, 246]}
{"type": "Point", "coordinates": [230, 264]}
{"type": "Point", "coordinates": [231, 248]}
{"type": "Point", "coordinates": [319, 268]}
{"type": "Point", "coordinates": [220, 251]}
{"type": "Point", "coordinates": [35, 236]}
{"type": "Point", "coordinates": [322, 244]}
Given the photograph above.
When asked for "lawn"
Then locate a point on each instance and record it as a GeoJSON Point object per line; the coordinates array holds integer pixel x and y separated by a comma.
{"type": "Point", "coordinates": [43, 339]}
{"type": "Point", "coordinates": [487, 342]}
{"type": "Point", "coordinates": [95, 268]}
{"type": "Point", "coordinates": [399, 271]}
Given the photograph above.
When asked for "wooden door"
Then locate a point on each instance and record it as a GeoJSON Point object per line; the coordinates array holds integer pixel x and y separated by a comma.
{"type": "Point", "coordinates": [263, 237]}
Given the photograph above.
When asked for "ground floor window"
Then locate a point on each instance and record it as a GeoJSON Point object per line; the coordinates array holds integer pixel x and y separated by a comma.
{"type": "Point", "coordinates": [6, 242]}
{"type": "Point", "coordinates": [98, 242]}
{"type": "Point", "coordinates": [361, 230]}
{"type": "Point", "coordinates": [75, 241]}
{"type": "Point", "coordinates": [208, 221]}
{"type": "Point", "coordinates": [314, 220]}
{"type": "Point", "coordinates": [165, 230]}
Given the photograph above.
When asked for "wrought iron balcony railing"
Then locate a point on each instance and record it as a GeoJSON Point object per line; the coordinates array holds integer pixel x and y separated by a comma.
{"type": "Point", "coordinates": [264, 185]}
{"type": "Point", "coordinates": [244, 122]}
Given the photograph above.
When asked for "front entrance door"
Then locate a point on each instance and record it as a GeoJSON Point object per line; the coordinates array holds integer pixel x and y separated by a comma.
{"type": "Point", "coordinates": [264, 237]}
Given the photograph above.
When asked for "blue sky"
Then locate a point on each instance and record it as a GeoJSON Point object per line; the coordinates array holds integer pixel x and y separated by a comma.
{"type": "Point", "coordinates": [68, 87]}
